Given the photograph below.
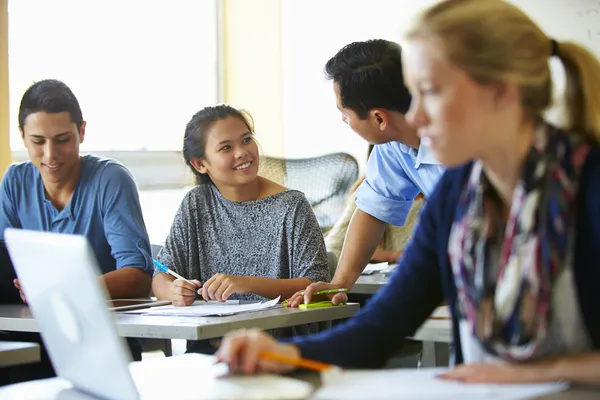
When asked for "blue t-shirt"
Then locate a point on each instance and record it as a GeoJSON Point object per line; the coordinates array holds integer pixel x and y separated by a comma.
{"type": "Point", "coordinates": [396, 173]}
{"type": "Point", "coordinates": [105, 208]}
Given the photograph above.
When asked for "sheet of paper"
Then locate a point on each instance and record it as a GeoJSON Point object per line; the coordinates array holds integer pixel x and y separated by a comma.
{"type": "Point", "coordinates": [212, 308]}
{"type": "Point", "coordinates": [196, 376]}
{"type": "Point", "coordinates": [419, 384]}
{"type": "Point", "coordinates": [372, 268]}
{"type": "Point", "coordinates": [441, 312]}
{"type": "Point", "coordinates": [389, 269]}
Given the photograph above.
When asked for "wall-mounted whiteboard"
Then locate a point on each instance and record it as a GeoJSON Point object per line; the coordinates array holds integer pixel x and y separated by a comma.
{"type": "Point", "coordinates": [574, 20]}
{"type": "Point", "coordinates": [314, 30]}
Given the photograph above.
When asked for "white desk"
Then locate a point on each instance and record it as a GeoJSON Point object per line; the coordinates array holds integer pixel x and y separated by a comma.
{"type": "Point", "coordinates": [369, 284]}
{"type": "Point", "coordinates": [57, 388]}
{"type": "Point", "coordinates": [18, 318]}
{"type": "Point", "coordinates": [18, 353]}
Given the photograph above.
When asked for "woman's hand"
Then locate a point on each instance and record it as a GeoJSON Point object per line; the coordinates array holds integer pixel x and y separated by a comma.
{"type": "Point", "coordinates": [496, 373]}
{"type": "Point", "coordinates": [240, 350]}
{"type": "Point", "coordinates": [182, 292]}
{"type": "Point", "coordinates": [221, 286]}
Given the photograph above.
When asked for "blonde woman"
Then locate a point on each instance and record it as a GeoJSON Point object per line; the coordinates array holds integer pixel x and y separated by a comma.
{"type": "Point", "coordinates": [511, 235]}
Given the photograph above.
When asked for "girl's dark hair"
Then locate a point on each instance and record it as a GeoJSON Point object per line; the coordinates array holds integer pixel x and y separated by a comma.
{"type": "Point", "coordinates": [196, 131]}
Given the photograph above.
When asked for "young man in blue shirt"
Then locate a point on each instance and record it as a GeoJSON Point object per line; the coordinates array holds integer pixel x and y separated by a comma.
{"type": "Point", "coordinates": [61, 191]}
{"type": "Point", "coordinates": [371, 95]}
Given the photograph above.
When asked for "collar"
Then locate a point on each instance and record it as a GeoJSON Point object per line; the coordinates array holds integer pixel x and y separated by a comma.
{"type": "Point", "coordinates": [422, 155]}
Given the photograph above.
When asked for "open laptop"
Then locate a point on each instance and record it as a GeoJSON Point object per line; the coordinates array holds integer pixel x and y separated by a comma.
{"type": "Point", "coordinates": [59, 274]}
{"type": "Point", "coordinates": [60, 277]}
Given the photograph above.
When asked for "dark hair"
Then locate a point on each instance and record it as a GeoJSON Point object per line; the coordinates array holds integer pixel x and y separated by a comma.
{"type": "Point", "coordinates": [369, 75]}
{"type": "Point", "coordinates": [194, 140]}
{"type": "Point", "coordinates": [51, 96]}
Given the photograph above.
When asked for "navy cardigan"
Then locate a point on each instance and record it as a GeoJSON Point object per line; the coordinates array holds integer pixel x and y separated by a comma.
{"type": "Point", "coordinates": [424, 279]}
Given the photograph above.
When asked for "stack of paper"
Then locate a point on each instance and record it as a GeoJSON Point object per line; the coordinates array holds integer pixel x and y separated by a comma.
{"type": "Point", "coordinates": [373, 268]}
{"type": "Point", "coordinates": [211, 308]}
{"type": "Point", "coordinates": [419, 384]}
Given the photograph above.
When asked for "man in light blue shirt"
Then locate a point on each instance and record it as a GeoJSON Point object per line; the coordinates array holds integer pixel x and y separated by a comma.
{"type": "Point", "coordinates": [396, 173]}
{"type": "Point", "coordinates": [371, 95]}
{"type": "Point", "coordinates": [61, 191]}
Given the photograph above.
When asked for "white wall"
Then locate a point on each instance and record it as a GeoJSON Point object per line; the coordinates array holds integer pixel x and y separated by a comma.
{"type": "Point", "coordinates": [314, 30]}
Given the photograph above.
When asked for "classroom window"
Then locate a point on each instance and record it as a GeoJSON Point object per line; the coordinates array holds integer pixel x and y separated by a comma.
{"type": "Point", "coordinates": [140, 68]}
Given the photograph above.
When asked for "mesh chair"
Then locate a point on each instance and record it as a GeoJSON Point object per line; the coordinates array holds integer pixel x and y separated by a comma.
{"type": "Point", "coordinates": [324, 180]}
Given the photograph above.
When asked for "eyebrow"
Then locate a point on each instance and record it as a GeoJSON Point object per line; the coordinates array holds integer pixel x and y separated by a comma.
{"type": "Point", "coordinates": [229, 141]}
{"type": "Point", "coordinates": [55, 136]}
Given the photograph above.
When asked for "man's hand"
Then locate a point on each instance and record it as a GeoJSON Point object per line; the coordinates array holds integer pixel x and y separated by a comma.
{"type": "Point", "coordinates": [18, 287]}
{"type": "Point", "coordinates": [182, 293]}
{"type": "Point", "coordinates": [307, 295]}
{"type": "Point", "coordinates": [221, 286]}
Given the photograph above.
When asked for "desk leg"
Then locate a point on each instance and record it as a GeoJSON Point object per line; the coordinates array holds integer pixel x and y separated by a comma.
{"type": "Point", "coordinates": [435, 354]}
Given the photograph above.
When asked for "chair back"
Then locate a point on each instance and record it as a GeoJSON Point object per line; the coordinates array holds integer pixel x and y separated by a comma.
{"type": "Point", "coordinates": [325, 181]}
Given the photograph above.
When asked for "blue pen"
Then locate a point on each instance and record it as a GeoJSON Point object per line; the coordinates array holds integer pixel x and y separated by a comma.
{"type": "Point", "coordinates": [166, 270]}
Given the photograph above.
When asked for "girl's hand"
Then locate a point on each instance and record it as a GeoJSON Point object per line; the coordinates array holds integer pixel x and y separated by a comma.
{"type": "Point", "coordinates": [182, 293]}
{"type": "Point", "coordinates": [221, 286]}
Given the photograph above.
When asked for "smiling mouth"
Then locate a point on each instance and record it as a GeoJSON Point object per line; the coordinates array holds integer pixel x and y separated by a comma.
{"type": "Point", "coordinates": [52, 167]}
{"type": "Point", "coordinates": [243, 166]}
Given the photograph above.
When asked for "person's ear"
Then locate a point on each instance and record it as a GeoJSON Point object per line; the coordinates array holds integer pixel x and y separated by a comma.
{"type": "Point", "coordinates": [82, 131]}
{"type": "Point", "coordinates": [379, 118]}
{"type": "Point", "coordinates": [505, 94]}
{"type": "Point", "coordinates": [199, 165]}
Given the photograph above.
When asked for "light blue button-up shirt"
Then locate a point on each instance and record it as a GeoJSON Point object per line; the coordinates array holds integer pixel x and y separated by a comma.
{"type": "Point", "coordinates": [396, 173]}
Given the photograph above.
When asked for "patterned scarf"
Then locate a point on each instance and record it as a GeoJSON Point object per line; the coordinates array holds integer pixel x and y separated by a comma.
{"type": "Point", "coordinates": [505, 269]}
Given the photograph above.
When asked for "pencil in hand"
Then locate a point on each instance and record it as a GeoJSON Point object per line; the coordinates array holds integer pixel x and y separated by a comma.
{"type": "Point", "coordinates": [297, 362]}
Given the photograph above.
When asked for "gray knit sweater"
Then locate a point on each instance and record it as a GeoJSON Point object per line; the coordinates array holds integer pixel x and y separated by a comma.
{"type": "Point", "coordinates": [274, 237]}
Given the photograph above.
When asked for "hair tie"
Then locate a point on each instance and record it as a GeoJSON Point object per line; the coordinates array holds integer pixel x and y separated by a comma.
{"type": "Point", "coordinates": [553, 47]}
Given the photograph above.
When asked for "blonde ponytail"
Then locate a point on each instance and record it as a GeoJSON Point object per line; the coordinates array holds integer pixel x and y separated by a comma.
{"type": "Point", "coordinates": [582, 92]}
{"type": "Point", "coordinates": [494, 41]}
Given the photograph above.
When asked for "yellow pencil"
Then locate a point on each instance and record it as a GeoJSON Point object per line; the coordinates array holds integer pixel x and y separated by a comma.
{"type": "Point", "coordinates": [298, 362]}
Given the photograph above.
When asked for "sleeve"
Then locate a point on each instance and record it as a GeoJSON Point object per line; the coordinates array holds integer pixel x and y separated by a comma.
{"type": "Point", "coordinates": [123, 221]}
{"type": "Point", "coordinates": [587, 250]}
{"type": "Point", "coordinates": [9, 217]}
{"type": "Point", "coordinates": [334, 241]}
{"type": "Point", "coordinates": [308, 254]}
{"type": "Point", "coordinates": [378, 330]}
{"type": "Point", "coordinates": [177, 254]}
{"type": "Point", "coordinates": [387, 192]}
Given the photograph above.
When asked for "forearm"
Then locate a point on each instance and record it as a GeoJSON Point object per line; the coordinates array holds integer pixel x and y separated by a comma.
{"type": "Point", "coordinates": [271, 288]}
{"type": "Point", "coordinates": [581, 368]}
{"type": "Point", "coordinates": [363, 236]}
{"type": "Point", "coordinates": [390, 256]}
{"type": "Point", "coordinates": [127, 282]}
{"type": "Point", "coordinates": [161, 286]}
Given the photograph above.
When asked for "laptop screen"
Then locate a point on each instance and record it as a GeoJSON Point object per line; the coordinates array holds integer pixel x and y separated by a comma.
{"type": "Point", "coordinates": [8, 293]}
